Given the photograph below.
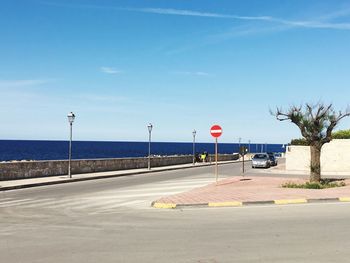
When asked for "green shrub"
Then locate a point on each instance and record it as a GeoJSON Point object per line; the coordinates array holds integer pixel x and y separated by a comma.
{"type": "Point", "coordinates": [342, 134]}
{"type": "Point", "coordinates": [325, 183]}
{"type": "Point", "coordinates": [300, 141]}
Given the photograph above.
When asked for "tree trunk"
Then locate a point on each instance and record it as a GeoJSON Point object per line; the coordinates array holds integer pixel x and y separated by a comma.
{"type": "Point", "coordinates": [315, 164]}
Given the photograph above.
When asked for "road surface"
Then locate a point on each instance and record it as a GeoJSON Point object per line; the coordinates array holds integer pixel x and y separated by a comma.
{"type": "Point", "coordinates": [111, 221]}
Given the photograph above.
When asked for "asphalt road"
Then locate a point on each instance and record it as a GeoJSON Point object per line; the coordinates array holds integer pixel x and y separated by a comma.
{"type": "Point", "coordinates": [111, 221]}
{"type": "Point", "coordinates": [192, 175]}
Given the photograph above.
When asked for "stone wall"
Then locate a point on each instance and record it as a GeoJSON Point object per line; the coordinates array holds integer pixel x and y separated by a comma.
{"type": "Point", "coordinates": [335, 157]}
{"type": "Point", "coordinates": [33, 169]}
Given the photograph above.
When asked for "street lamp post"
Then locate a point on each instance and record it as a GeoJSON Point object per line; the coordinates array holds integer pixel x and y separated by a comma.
{"type": "Point", "coordinates": [239, 144]}
{"type": "Point", "coordinates": [249, 149]}
{"type": "Point", "coordinates": [150, 127]}
{"type": "Point", "coordinates": [194, 146]}
{"type": "Point", "coordinates": [71, 118]}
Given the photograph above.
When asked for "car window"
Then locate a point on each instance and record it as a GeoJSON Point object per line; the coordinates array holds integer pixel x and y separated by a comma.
{"type": "Point", "coordinates": [259, 156]}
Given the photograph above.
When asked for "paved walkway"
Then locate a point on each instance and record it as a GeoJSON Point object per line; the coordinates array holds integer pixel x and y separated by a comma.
{"type": "Point", "coordinates": [238, 191]}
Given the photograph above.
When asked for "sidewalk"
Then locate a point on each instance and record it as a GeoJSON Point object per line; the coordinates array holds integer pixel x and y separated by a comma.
{"type": "Point", "coordinates": [61, 179]}
{"type": "Point", "coordinates": [281, 170]}
{"type": "Point", "coordinates": [239, 191]}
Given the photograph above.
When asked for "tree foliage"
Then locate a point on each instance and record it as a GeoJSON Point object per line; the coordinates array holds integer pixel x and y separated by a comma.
{"type": "Point", "coordinates": [316, 122]}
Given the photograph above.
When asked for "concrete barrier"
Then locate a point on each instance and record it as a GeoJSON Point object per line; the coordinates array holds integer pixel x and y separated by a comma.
{"type": "Point", "coordinates": [34, 169]}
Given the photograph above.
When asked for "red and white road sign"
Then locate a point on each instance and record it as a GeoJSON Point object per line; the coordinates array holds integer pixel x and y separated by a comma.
{"type": "Point", "coordinates": [216, 131]}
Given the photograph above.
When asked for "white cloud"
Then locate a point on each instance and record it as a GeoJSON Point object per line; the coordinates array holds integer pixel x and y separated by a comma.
{"type": "Point", "coordinates": [192, 73]}
{"type": "Point", "coordinates": [200, 73]}
{"type": "Point", "coordinates": [22, 83]}
{"type": "Point", "coordinates": [181, 12]}
{"type": "Point", "coordinates": [101, 98]}
{"type": "Point", "coordinates": [322, 23]}
{"type": "Point", "coordinates": [109, 70]}
{"type": "Point", "coordinates": [314, 24]}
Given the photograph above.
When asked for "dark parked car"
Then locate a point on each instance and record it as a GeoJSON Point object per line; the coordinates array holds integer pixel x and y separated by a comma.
{"type": "Point", "coordinates": [273, 159]}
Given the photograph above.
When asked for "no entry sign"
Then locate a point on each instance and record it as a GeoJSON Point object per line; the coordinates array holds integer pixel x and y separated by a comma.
{"type": "Point", "coordinates": [216, 131]}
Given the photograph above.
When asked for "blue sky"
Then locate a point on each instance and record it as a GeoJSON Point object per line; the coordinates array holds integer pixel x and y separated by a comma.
{"type": "Point", "coordinates": [181, 65]}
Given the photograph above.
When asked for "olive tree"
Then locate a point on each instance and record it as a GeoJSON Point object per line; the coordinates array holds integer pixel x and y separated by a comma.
{"type": "Point", "coordinates": [316, 123]}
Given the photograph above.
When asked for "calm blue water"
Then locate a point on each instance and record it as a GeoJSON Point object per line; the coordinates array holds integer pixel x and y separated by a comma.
{"type": "Point", "coordinates": [58, 150]}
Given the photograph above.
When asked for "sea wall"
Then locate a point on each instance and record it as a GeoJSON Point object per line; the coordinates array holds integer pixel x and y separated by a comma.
{"type": "Point", "coordinates": [335, 157]}
{"type": "Point", "coordinates": [33, 169]}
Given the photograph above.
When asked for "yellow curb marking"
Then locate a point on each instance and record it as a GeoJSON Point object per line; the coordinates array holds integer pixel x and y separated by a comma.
{"type": "Point", "coordinates": [290, 201]}
{"type": "Point", "coordinates": [344, 199]}
{"type": "Point", "coordinates": [225, 204]}
{"type": "Point", "coordinates": [164, 205]}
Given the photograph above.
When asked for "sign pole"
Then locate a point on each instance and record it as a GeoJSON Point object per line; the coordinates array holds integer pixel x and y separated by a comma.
{"type": "Point", "coordinates": [216, 132]}
{"type": "Point", "coordinates": [243, 163]}
{"type": "Point", "coordinates": [216, 160]}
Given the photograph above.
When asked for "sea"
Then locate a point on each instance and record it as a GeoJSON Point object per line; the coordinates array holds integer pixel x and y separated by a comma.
{"type": "Point", "coordinates": [11, 150]}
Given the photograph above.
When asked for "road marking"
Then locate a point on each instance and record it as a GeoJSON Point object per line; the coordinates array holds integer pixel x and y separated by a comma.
{"type": "Point", "coordinates": [67, 203]}
{"type": "Point", "coordinates": [15, 202]}
{"type": "Point", "coordinates": [6, 198]}
{"type": "Point", "coordinates": [109, 207]}
{"type": "Point", "coordinates": [290, 201]}
{"type": "Point", "coordinates": [344, 199]}
{"type": "Point", "coordinates": [99, 204]}
{"type": "Point", "coordinates": [49, 203]}
{"type": "Point", "coordinates": [159, 188]}
{"type": "Point", "coordinates": [148, 194]}
{"type": "Point", "coordinates": [164, 205]}
{"type": "Point", "coordinates": [218, 204]}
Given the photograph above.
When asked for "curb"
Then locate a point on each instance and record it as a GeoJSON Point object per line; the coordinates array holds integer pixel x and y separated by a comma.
{"type": "Point", "coordinates": [68, 180]}
{"type": "Point", "coordinates": [156, 204]}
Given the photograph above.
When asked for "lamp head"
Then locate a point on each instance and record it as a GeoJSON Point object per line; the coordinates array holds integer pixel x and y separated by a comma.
{"type": "Point", "coordinates": [71, 117]}
{"type": "Point", "coordinates": [150, 127]}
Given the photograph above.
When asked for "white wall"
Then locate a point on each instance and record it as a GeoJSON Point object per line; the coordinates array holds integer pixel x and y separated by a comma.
{"type": "Point", "coordinates": [298, 158]}
{"type": "Point", "coordinates": [335, 157]}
